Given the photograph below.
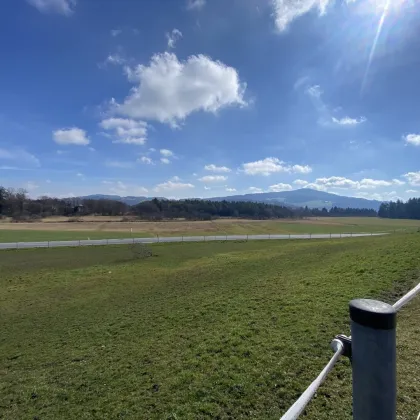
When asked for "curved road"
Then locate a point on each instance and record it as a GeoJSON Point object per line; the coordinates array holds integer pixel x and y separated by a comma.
{"type": "Point", "coordinates": [54, 244]}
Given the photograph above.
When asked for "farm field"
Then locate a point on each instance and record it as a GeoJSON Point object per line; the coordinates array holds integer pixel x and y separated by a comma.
{"type": "Point", "coordinates": [197, 331]}
{"type": "Point", "coordinates": [112, 228]}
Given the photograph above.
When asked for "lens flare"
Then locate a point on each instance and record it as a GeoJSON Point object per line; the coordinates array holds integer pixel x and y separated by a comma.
{"type": "Point", "coordinates": [375, 42]}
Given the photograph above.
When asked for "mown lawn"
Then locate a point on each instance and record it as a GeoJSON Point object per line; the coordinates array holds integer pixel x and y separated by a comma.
{"type": "Point", "coordinates": [207, 330]}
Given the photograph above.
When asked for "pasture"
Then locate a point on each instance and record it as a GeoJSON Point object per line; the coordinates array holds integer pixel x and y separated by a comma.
{"type": "Point", "coordinates": [100, 227]}
{"type": "Point", "coordinates": [198, 331]}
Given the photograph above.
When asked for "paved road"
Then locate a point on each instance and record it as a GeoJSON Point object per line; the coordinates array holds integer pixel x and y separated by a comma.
{"type": "Point", "coordinates": [54, 244]}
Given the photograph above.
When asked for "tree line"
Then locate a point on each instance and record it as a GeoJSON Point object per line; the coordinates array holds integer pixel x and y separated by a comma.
{"type": "Point", "coordinates": [16, 204]}
{"type": "Point", "coordinates": [400, 210]}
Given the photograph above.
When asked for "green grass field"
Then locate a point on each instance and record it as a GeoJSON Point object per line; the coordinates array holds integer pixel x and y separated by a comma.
{"type": "Point", "coordinates": [98, 230]}
{"type": "Point", "coordinates": [198, 331]}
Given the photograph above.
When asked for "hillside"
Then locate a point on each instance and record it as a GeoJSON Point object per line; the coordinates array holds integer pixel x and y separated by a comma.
{"type": "Point", "coordinates": [305, 197]}
{"type": "Point", "coordinates": [297, 198]}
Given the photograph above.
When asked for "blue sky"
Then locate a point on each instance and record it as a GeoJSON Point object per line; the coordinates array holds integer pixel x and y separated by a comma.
{"type": "Point", "coordinates": [200, 98]}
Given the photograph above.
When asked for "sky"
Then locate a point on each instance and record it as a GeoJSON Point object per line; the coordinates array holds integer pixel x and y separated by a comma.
{"type": "Point", "coordinates": [205, 98]}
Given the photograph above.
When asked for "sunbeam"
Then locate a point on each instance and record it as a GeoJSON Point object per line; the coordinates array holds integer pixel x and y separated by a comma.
{"type": "Point", "coordinates": [375, 42]}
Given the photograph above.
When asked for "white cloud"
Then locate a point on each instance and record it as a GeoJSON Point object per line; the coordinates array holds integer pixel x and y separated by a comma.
{"type": "Point", "coordinates": [349, 121]}
{"type": "Point", "coordinates": [62, 7]}
{"type": "Point", "coordinates": [119, 188]}
{"type": "Point", "coordinates": [411, 191]}
{"type": "Point", "coordinates": [19, 157]}
{"type": "Point", "coordinates": [300, 182]}
{"type": "Point", "coordinates": [170, 90]}
{"type": "Point", "coordinates": [272, 165]}
{"type": "Point", "coordinates": [413, 139]}
{"type": "Point", "coordinates": [207, 188]}
{"type": "Point", "coordinates": [31, 186]}
{"type": "Point", "coordinates": [195, 4]}
{"type": "Point", "coordinates": [91, 149]}
{"type": "Point", "coordinates": [175, 178]}
{"type": "Point", "coordinates": [255, 190]}
{"type": "Point", "coordinates": [146, 160]}
{"type": "Point", "coordinates": [217, 169]}
{"type": "Point", "coordinates": [119, 164]}
{"type": "Point", "coordinates": [115, 59]}
{"type": "Point", "coordinates": [75, 136]}
{"type": "Point", "coordinates": [413, 178]}
{"type": "Point", "coordinates": [338, 182]}
{"type": "Point", "coordinates": [172, 186]}
{"type": "Point", "coordinates": [165, 161]}
{"type": "Point", "coordinates": [80, 175]}
{"type": "Point", "coordinates": [280, 187]}
{"type": "Point", "coordinates": [173, 37]}
{"type": "Point", "coordinates": [115, 32]}
{"type": "Point", "coordinates": [213, 178]}
{"type": "Point", "coordinates": [231, 189]}
{"type": "Point", "coordinates": [126, 131]}
{"type": "Point", "coordinates": [314, 91]}
{"type": "Point", "coordinates": [166, 152]}
{"type": "Point", "coordinates": [286, 11]}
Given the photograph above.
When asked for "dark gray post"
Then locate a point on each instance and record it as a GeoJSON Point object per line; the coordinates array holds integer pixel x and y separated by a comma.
{"type": "Point", "coordinates": [373, 336]}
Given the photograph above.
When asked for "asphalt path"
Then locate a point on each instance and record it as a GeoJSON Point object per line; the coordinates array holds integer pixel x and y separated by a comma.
{"type": "Point", "coordinates": [167, 239]}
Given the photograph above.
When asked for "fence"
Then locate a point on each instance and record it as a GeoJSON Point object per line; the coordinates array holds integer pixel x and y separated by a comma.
{"type": "Point", "coordinates": [159, 239]}
{"type": "Point", "coordinates": [372, 351]}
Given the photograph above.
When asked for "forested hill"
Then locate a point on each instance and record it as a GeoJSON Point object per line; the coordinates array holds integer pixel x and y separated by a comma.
{"type": "Point", "coordinates": [17, 205]}
{"type": "Point", "coordinates": [401, 210]}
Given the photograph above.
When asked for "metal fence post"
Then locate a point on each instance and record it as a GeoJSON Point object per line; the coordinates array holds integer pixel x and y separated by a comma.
{"type": "Point", "coordinates": [373, 336]}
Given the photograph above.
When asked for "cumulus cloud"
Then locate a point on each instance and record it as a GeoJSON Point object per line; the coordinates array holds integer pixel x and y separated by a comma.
{"type": "Point", "coordinates": [169, 90]}
{"type": "Point", "coordinates": [338, 182]}
{"type": "Point", "coordinates": [115, 59]}
{"type": "Point", "coordinates": [255, 190]}
{"type": "Point", "coordinates": [280, 187]}
{"type": "Point", "coordinates": [272, 165]}
{"type": "Point", "coordinates": [173, 186]}
{"type": "Point", "coordinates": [195, 4]}
{"type": "Point", "coordinates": [413, 139]}
{"type": "Point", "coordinates": [286, 11]}
{"type": "Point", "coordinates": [75, 136]}
{"type": "Point", "coordinates": [231, 189]}
{"type": "Point", "coordinates": [126, 131]}
{"type": "Point", "coordinates": [411, 191]}
{"type": "Point", "coordinates": [325, 113]}
{"type": "Point", "coordinates": [213, 178]}
{"type": "Point", "coordinates": [119, 188]}
{"type": "Point", "coordinates": [413, 178]}
{"type": "Point", "coordinates": [348, 121]}
{"type": "Point", "coordinates": [165, 161]}
{"type": "Point", "coordinates": [146, 160]}
{"type": "Point", "coordinates": [31, 186]}
{"type": "Point", "coordinates": [166, 152]}
{"type": "Point", "coordinates": [61, 7]}
{"type": "Point", "coordinates": [173, 37]}
{"type": "Point", "coordinates": [217, 169]}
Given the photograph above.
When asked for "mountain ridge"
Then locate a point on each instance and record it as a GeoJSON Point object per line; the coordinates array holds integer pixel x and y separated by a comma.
{"type": "Point", "coordinates": [296, 198]}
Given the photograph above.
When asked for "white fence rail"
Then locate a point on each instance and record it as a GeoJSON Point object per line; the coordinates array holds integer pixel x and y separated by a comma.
{"type": "Point", "coordinates": [166, 239]}
{"type": "Point", "coordinates": [372, 350]}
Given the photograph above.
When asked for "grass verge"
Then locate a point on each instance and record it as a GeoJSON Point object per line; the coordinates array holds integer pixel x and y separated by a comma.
{"type": "Point", "coordinates": [207, 330]}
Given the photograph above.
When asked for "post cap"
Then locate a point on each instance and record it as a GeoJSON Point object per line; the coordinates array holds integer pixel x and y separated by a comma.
{"type": "Point", "coordinates": [373, 314]}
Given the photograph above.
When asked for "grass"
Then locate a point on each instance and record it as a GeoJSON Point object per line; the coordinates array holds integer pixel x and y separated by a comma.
{"type": "Point", "coordinates": [198, 331]}
{"type": "Point", "coordinates": [49, 231]}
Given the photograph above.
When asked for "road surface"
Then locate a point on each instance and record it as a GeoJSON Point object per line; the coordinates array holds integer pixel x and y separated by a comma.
{"type": "Point", "coordinates": [54, 244]}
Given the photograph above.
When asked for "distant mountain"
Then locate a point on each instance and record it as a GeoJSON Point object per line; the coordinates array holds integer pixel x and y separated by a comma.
{"type": "Point", "coordinates": [130, 200]}
{"type": "Point", "coordinates": [296, 198]}
{"type": "Point", "coordinates": [305, 197]}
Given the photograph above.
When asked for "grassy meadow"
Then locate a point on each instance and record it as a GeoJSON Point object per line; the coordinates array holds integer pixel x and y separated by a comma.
{"type": "Point", "coordinates": [198, 331]}
{"type": "Point", "coordinates": [112, 228]}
